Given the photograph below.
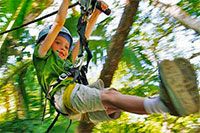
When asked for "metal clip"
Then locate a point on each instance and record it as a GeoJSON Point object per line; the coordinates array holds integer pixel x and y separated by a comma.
{"type": "Point", "coordinates": [63, 76]}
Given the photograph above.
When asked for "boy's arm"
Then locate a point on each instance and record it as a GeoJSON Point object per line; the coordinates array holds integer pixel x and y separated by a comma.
{"type": "Point", "coordinates": [55, 29]}
{"type": "Point", "coordinates": [93, 19]}
{"type": "Point", "coordinates": [90, 25]}
{"type": "Point", "coordinates": [75, 51]}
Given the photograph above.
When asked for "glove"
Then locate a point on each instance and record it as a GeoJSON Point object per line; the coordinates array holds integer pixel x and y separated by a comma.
{"type": "Point", "coordinates": [103, 7]}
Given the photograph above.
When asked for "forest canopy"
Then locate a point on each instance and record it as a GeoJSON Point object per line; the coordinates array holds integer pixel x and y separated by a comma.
{"type": "Point", "coordinates": [126, 46]}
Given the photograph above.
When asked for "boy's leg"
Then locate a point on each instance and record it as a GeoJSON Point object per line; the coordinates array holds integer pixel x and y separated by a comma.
{"type": "Point", "coordinates": [129, 103]}
{"type": "Point", "coordinates": [85, 99]}
{"type": "Point", "coordinates": [99, 116]}
{"type": "Point", "coordinates": [179, 87]}
{"type": "Point", "coordinates": [179, 94]}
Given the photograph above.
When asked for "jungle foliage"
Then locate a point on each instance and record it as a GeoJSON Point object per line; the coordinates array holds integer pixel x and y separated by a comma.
{"type": "Point", "coordinates": [154, 36]}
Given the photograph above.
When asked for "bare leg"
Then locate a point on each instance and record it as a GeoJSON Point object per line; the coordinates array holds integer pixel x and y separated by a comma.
{"type": "Point", "coordinates": [127, 103]}
{"type": "Point", "coordinates": [172, 97]}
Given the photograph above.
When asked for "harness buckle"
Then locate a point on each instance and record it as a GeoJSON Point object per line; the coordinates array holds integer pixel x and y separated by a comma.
{"type": "Point", "coordinates": [63, 76]}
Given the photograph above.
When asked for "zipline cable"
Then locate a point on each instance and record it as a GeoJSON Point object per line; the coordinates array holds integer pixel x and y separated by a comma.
{"type": "Point", "coordinates": [43, 17]}
{"type": "Point", "coordinates": [98, 6]}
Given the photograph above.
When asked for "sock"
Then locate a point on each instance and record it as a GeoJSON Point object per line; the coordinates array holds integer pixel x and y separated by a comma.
{"type": "Point", "coordinates": [155, 105]}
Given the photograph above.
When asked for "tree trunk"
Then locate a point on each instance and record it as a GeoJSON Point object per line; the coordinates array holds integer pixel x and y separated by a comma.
{"type": "Point", "coordinates": [20, 113]}
{"type": "Point", "coordinates": [23, 98]}
{"type": "Point", "coordinates": [118, 41]}
{"type": "Point", "coordinates": [183, 17]}
{"type": "Point", "coordinates": [8, 93]}
{"type": "Point", "coordinates": [7, 99]}
{"type": "Point", "coordinates": [115, 52]}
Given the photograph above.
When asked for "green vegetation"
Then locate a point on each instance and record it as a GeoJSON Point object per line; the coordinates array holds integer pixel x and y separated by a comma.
{"type": "Point", "coordinates": [154, 36]}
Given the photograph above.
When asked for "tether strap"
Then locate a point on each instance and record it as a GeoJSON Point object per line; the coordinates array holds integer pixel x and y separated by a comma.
{"type": "Point", "coordinates": [82, 23]}
{"type": "Point", "coordinates": [44, 110]}
{"type": "Point", "coordinates": [52, 124]}
{"type": "Point", "coordinates": [70, 122]}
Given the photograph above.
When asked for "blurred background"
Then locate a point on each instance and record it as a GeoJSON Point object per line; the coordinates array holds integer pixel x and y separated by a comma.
{"type": "Point", "coordinates": [141, 33]}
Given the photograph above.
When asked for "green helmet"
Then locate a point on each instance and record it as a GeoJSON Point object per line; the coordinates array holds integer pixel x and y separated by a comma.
{"type": "Point", "coordinates": [43, 33]}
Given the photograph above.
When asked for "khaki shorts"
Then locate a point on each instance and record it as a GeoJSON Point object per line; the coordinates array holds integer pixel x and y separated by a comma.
{"type": "Point", "coordinates": [84, 99]}
{"type": "Point", "coordinates": [87, 100]}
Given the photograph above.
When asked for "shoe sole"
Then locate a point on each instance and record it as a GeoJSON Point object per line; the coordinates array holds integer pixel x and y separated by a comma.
{"type": "Point", "coordinates": [167, 100]}
{"type": "Point", "coordinates": [190, 74]}
{"type": "Point", "coordinates": [179, 88]}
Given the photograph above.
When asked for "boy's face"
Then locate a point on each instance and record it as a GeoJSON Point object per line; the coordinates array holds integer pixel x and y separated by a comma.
{"type": "Point", "coordinates": [61, 45]}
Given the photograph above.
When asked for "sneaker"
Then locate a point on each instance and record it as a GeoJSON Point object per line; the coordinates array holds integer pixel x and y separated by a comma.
{"type": "Point", "coordinates": [179, 87]}
{"type": "Point", "coordinates": [164, 97]}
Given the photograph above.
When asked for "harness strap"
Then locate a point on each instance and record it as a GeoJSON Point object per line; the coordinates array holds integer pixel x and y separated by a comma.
{"type": "Point", "coordinates": [52, 124]}
{"type": "Point", "coordinates": [66, 97]}
{"type": "Point", "coordinates": [82, 23]}
{"type": "Point", "coordinates": [70, 122]}
{"type": "Point", "coordinates": [44, 110]}
{"type": "Point", "coordinates": [67, 93]}
{"type": "Point", "coordinates": [81, 75]}
{"type": "Point", "coordinates": [82, 79]}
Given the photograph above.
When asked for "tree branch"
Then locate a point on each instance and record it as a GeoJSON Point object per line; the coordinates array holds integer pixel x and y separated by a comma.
{"type": "Point", "coordinates": [194, 55]}
{"type": "Point", "coordinates": [183, 17]}
{"type": "Point", "coordinates": [118, 41]}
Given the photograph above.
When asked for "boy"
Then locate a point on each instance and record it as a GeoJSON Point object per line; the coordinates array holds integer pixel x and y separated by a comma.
{"type": "Point", "coordinates": [51, 59]}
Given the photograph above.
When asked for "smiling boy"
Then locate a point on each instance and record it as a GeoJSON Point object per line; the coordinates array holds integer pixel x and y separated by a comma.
{"type": "Point", "coordinates": [54, 55]}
